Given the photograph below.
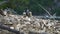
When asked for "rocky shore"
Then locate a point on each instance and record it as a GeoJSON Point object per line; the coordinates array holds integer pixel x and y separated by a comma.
{"type": "Point", "coordinates": [31, 25]}
{"type": "Point", "coordinates": [28, 24]}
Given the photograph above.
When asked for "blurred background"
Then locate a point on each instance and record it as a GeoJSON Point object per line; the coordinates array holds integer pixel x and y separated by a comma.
{"type": "Point", "coordinates": [53, 6]}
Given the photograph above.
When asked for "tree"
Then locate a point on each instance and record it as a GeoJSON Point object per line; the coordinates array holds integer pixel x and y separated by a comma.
{"type": "Point", "coordinates": [33, 5]}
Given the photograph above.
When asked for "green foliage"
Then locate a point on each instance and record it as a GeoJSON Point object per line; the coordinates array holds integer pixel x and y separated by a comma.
{"type": "Point", "coordinates": [3, 6]}
{"type": "Point", "coordinates": [1, 0]}
{"type": "Point", "coordinates": [20, 5]}
{"type": "Point", "coordinates": [57, 10]}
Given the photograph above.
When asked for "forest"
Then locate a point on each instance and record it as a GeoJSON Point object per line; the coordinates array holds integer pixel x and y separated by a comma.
{"type": "Point", "coordinates": [52, 6]}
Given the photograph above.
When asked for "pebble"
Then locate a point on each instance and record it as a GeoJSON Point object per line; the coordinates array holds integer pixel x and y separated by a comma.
{"type": "Point", "coordinates": [28, 24]}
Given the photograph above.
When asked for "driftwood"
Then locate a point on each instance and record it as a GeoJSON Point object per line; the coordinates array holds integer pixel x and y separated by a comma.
{"type": "Point", "coordinates": [8, 28]}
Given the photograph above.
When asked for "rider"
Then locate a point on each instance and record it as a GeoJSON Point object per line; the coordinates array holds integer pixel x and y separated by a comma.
{"type": "Point", "coordinates": [28, 13]}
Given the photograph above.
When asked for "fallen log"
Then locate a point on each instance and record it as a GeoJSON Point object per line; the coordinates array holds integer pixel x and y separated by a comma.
{"type": "Point", "coordinates": [9, 29]}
